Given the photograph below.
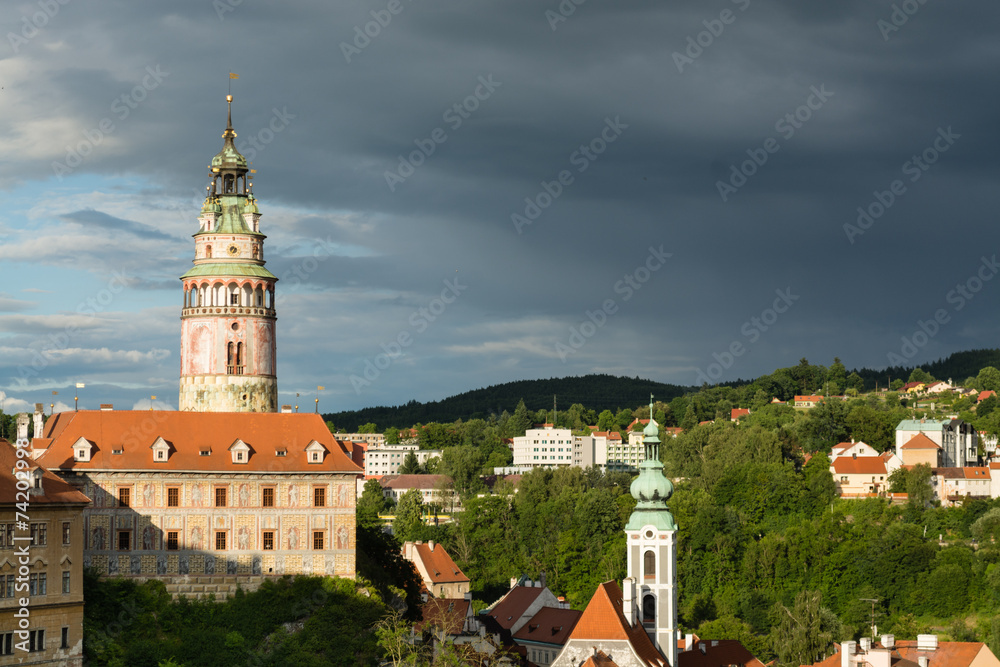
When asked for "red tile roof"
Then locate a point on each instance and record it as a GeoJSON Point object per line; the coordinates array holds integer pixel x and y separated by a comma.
{"type": "Point", "coordinates": [718, 653]}
{"type": "Point", "coordinates": [54, 489]}
{"type": "Point", "coordinates": [188, 434]}
{"type": "Point", "coordinates": [947, 654]}
{"type": "Point", "coordinates": [513, 605]}
{"type": "Point", "coordinates": [983, 395]}
{"type": "Point", "coordinates": [443, 613]}
{"type": "Point", "coordinates": [599, 659]}
{"type": "Point", "coordinates": [920, 441]}
{"type": "Point", "coordinates": [438, 564]}
{"type": "Point", "coordinates": [549, 626]}
{"type": "Point", "coordinates": [736, 413]}
{"type": "Point", "coordinates": [809, 399]}
{"type": "Point", "coordinates": [604, 619]}
{"type": "Point", "coordinates": [862, 465]}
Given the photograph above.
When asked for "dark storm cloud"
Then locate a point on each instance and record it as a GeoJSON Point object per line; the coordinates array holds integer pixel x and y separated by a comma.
{"type": "Point", "coordinates": [92, 218]}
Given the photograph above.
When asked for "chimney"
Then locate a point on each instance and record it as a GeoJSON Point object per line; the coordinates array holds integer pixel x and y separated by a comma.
{"type": "Point", "coordinates": [688, 642]}
{"type": "Point", "coordinates": [107, 407]}
{"type": "Point", "coordinates": [513, 582]}
{"type": "Point", "coordinates": [542, 580]}
{"type": "Point", "coordinates": [927, 642]}
{"type": "Point", "coordinates": [286, 408]}
{"type": "Point", "coordinates": [430, 544]}
{"type": "Point", "coordinates": [889, 641]}
{"type": "Point", "coordinates": [628, 600]}
{"type": "Point", "coordinates": [923, 661]}
{"type": "Point", "coordinates": [38, 420]}
{"type": "Point", "coordinates": [866, 644]}
{"type": "Point", "coordinates": [846, 653]}
{"type": "Point", "coordinates": [22, 427]}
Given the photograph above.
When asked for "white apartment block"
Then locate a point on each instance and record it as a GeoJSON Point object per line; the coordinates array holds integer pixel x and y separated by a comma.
{"type": "Point", "coordinates": [546, 447]}
{"type": "Point", "coordinates": [387, 459]}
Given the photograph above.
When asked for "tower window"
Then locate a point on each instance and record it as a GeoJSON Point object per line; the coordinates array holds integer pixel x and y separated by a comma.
{"type": "Point", "coordinates": [234, 299]}
{"type": "Point", "coordinates": [649, 565]}
{"type": "Point", "coordinates": [208, 251]}
{"type": "Point", "coordinates": [649, 610]}
{"type": "Point", "coordinates": [228, 181]}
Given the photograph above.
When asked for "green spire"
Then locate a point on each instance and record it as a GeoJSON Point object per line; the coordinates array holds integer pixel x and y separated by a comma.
{"type": "Point", "coordinates": [651, 488]}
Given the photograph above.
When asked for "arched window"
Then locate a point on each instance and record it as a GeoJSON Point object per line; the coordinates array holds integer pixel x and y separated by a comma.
{"type": "Point", "coordinates": [208, 251]}
{"type": "Point", "coordinates": [230, 357]}
{"type": "Point", "coordinates": [239, 358]}
{"type": "Point", "coordinates": [649, 609]}
{"type": "Point", "coordinates": [649, 564]}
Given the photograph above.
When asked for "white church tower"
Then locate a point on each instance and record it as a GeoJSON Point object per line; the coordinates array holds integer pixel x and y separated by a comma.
{"type": "Point", "coordinates": [652, 549]}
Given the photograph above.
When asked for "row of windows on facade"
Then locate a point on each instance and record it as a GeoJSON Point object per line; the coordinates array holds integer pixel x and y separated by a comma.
{"type": "Point", "coordinates": [221, 540]}
{"type": "Point", "coordinates": [233, 295]}
{"type": "Point", "coordinates": [545, 449]}
{"type": "Point", "coordinates": [37, 585]}
{"type": "Point", "coordinates": [38, 533]}
{"type": "Point", "coordinates": [554, 442]}
{"type": "Point", "coordinates": [221, 496]}
{"type": "Point", "coordinates": [36, 641]}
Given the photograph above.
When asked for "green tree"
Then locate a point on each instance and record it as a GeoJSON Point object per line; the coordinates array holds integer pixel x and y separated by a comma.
{"type": "Point", "coordinates": [855, 382]}
{"type": "Point", "coordinates": [837, 373]}
{"type": "Point", "coordinates": [896, 385]}
{"type": "Point", "coordinates": [606, 421]}
{"type": "Point", "coordinates": [391, 436]}
{"type": "Point", "coordinates": [463, 465]}
{"type": "Point", "coordinates": [987, 527]}
{"type": "Point", "coordinates": [989, 379]}
{"type": "Point", "coordinates": [410, 464]}
{"type": "Point", "coordinates": [920, 375]}
{"type": "Point", "coordinates": [519, 422]}
{"type": "Point", "coordinates": [805, 633]}
{"type": "Point", "coordinates": [367, 428]}
{"type": "Point", "coordinates": [370, 504]}
{"type": "Point", "coordinates": [409, 516]}
{"type": "Point", "coordinates": [690, 419]}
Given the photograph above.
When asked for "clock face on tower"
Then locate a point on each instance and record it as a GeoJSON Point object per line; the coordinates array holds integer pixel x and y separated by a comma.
{"type": "Point", "coordinates": [233, 250]}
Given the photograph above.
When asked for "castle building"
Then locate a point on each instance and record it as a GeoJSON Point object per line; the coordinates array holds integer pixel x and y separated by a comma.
{"type": "Point", "coordinates": [226, 491]}
{"type": "Point", "coordinates": [636, 625]}
{"type": "Point", "coordinates": [228, 318]}
{"type": "Point", "coordinates": [206, 501]}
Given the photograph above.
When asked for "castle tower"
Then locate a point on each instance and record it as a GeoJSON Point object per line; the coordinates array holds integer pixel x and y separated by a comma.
{"type": "Point", "coordinates": [228, 319]}
{"type": "Point", "coordinates": [652, 549]}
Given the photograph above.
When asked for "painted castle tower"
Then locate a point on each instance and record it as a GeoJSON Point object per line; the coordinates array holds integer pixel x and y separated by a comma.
{"type": "Point", "coordinates": [652, 549]}
{"type": "Point", "coordinates": [228, 320]}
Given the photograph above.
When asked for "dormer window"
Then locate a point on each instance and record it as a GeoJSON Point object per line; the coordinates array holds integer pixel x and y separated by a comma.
{"type": "Point", "coordinates": [205, 452]}
{"type": "Point", "coordinates": [161, 450]}
{"type": "Point", "coordinates": [280, 452]}
{"type": "Point", "coordinates": [36, 478]}
{"type": "Point", "coordinates": [240, 451]}
{"type": "Point", "coordinates": [82, 450]}
{"type": "Point", "coordinates": [315, 452]}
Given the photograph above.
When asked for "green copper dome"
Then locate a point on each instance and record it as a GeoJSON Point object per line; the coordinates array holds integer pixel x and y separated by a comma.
{"type": "Point", "coordinates": [651, 488]}
{"type": "Point", "coordinates": [229, 157]}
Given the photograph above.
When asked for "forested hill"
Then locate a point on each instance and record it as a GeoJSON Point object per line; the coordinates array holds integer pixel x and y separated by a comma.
{"type": "Point", "coordinates": [957, 367]}
{"type": "Point", "coordinates": [597, 392]}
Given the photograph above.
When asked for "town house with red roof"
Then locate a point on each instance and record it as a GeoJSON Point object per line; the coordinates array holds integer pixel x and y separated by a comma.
{"type": "Point", "coordinates": [859, 476]}
{"type": "Point", "coordinates": [441, 577]}
{"type": "Point", "coordinates": [926, 651]}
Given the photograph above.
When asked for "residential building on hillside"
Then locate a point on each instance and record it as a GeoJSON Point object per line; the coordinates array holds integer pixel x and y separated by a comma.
{"type": "Point", "coordinates": [41, 562]}
{"type": "Point", "coordinates": [434, 489]}
{"type": "Point", "coordinates": [938, 387]}
{"type": "Point", "coordinates": [926, 651]}
{"type": "Point", "coordinates": [858, 476]}
{"type": "Point", "coordinates": [517, 606]}
{"type": "Point", "coordinates": [994, 479]}
{"type": "Point", "coordinates": [546, 447]}
{"type": "Point", "coordinates": [852, 448]}
{"type": "Point", "coordinates": [807, 401]}
{"type": "Point", "coordinates": [955, 485]}
{"type": "Point", "coordinates": [920, 450]}
{"type": "Point", "coordinates": [958, 439]}
{"type": "Point", "coordinates": [223, 497]}
{"type": "Point", "coordinates": [387, 459]}
{"type": "Point", "coordinates": [738, 413]}
{"type": "Point", "coordinates": [441, 577]}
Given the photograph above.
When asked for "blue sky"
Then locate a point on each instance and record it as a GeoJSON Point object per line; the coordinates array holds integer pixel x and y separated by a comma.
{"type": "Point", "coordinates": [489, 183]}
